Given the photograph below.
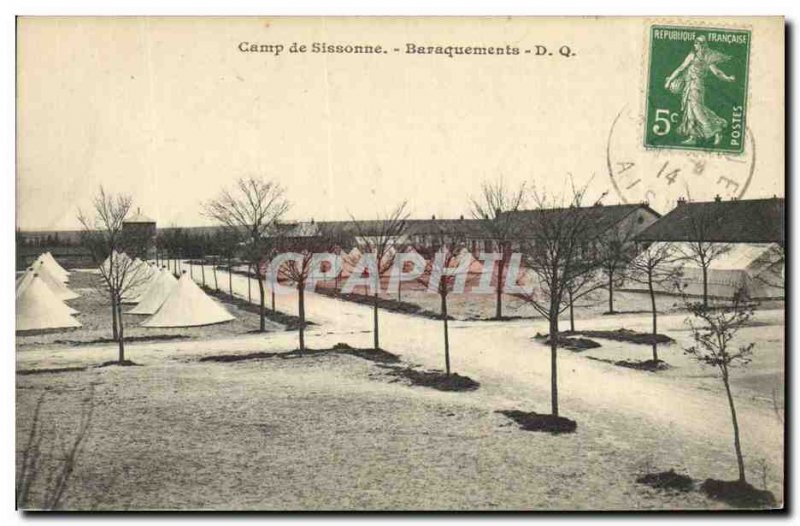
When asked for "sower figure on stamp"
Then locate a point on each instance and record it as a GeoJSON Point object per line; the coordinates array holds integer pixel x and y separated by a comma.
{"type": "Point", "coordinates": [698, 122]}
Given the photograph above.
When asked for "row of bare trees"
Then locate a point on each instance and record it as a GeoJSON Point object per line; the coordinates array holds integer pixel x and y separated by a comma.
{"type": "Point", "coordinates": [563, 251]}
{"type": "Point", "coordinates": [564, 255]}
{"type": "Point", "coordinates": [556, 241]}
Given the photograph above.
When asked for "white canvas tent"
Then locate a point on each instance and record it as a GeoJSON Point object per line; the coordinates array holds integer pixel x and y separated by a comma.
{"type": "Point", "coordinates": [188, 306]}
{"type": "Point", "coordinates": [24, 280]}
{"type": "Point", "coordinates": [160, 287]}
{"type": "Point", "coordinates": [349, 262]}
{"type": "Point", "coordinates": [38, 308]}
{"type": "Point", "coordinates": [751, 266]}
{"type": "Point", "coordinates": [54, 267]}
{"type": "Point", "coordinates": [141, 276]}
{"type": "Point", "coordinates": [475, 265]}
{"type": "Point", "coordinates": [119, 258]}
{"type": "Point", "coordinates": [61, 291]}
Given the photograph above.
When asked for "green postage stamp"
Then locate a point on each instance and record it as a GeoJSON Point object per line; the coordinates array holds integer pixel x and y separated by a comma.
{"type": "Point", "coordinates": [697, 88]}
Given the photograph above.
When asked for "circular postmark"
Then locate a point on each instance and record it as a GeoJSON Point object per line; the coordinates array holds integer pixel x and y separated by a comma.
{"type": "Point", "coordinates": [661, 176]}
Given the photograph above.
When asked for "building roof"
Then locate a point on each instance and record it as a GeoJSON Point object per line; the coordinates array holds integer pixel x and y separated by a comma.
{"type": "Point", "coordinates": [735, 221]}
{"type": "Point", "coordinates": [369, 227]}
{"type": "Point", "coordinates": [139, 218]}
{"type": "Point", "coordinates": [600, 217]}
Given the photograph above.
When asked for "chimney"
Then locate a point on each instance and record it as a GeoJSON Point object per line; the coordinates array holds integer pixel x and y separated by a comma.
{"type": "Point", "coordinates": [681, 201]}
{"type": "Point", "coordinates": [312, 220]}
{"type": "Point", "coordinates": [433, 217]}
{"type": "Point", "coordinates": [717, 198]}
{"type": "Point", "coordinates": [462, 217]}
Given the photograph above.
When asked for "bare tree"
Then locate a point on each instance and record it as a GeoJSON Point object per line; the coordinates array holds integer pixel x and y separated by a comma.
{"type": "Point", "coordinates": [615, 250]}
{"type": "Point", "coordinates": [701, 222]}
{"type": "Point", "coordinates": [555, 249]}
{"type": "Point", "coordinates": [713, 329]}
{"type": "Point", "coordinates": [445, 265]}
{"type": "Point", "coordinates": [253, 207]}
{"type": "Point", "coordinates": [773, 265]}
{"type": "Point", "coordinates": [105, 238]}
{"type": "Point", "coordinates": [654, 266]}
{"type": "Point", "coordinates": [306, 264]}
{"type": "Point", "coordinates": [580, 288]}
{"type": "Point", "coordinates": [492, 209]}
{"type": "Point", "coordinates": [773, 262]}
{"type": "Point", "coordinates": [378, 239]}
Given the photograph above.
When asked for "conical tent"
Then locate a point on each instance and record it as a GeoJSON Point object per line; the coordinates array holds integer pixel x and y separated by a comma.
{"type": "Point", "coordinates": [188, 306]}
{"type": "Point", "coordinates": [120, 259]}
{"type": "Point", "coordinates": [140, 278]}
{"type": "Point", "coordinates": [38, 308]}
{"type": "Point", "coordinates": [156, 293]}
{"type": "Point", "coordinates": [475, 265]}
{"type": "Point", "coordinates": [23, 280]}
{"type": "Point", "coordinates": [53, 268]}
{"type": "Point", "coordinates": [349, 262]}
{"type": "Point", "coordinates": [51, 261]}
{"type": "Point", "coordinates": [59, 289]}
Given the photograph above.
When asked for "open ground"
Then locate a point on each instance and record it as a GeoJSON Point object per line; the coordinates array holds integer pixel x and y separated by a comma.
{"type": "Point", "coordinates": [334, 431]}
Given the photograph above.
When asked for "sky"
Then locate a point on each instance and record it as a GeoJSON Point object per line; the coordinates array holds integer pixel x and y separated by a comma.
{"type": "Point", "coordinates": [170, 111]}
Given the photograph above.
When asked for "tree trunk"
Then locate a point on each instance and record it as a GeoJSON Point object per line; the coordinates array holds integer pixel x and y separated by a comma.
{"type": "Point", "coordinates": [230, 276]}
{"type": "Point", "coordinates": [191, 270]}
{"type": "Point", "coordinates": [498, 311]}
{"type": "Point", "coordinates": [203, 273]}
{"type": "Point", "coordinates": [553, 362]}
{"type": "Point", "coordinates": [301, 311]}
{"type": "Point", "coordinates": [737, 446]}
{"type": "Point", "coordinates": [571, 312]}
{"type": "Point", "coordinates": [114, 330]}
{"type": "Point", "coordinates": [446, 336]}
{"type": "Point", "coordinates": [611, 292]}
{"type": "Point", "coordinates": [655, 323]}
{"type": "Point", "coordinates": [249, 286]}
{"type": "Point", "coordinates": [705, 286]}
{"type": "Point", "coordinates": [375, 338]}
{"type": "Point", "coordinates": [261, 312]}
{"type": "Point", "coordinates": [399, 289]}
{"type": "Point", "coordinates": [121, 340]}
{"type": "Point", "coordinates": [272, 294]}
{"type": "Point", "coordinates": [214, 271]}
